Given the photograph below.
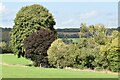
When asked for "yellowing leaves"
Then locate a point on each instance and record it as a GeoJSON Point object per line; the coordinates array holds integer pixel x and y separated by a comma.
{"type": "Point", "coordinates": [115, 42]}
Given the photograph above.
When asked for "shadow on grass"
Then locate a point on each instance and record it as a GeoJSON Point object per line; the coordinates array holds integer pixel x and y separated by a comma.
{"type": "Point", "coordinates": [30, 65]}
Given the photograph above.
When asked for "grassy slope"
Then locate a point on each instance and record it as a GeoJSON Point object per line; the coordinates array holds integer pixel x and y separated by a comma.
{"type": "Point", "coordinates": [12, 59]}
{"type": "Point", "coordinates": [33, 72]}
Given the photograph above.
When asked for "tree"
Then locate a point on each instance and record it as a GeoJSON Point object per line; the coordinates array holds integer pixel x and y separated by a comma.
{"type": "Point", "coordinates": [62, 55]}
{"type": "Point", "coordinates": [110, 52]}
{"type": "Point", "coordinates": [37, 44]}
{"type": "Point", "coordinates": [56, 53]}
{"type": "Point", "coordinates": [88, 51]}
{"type": "Point", "coordinates": [28, 20]}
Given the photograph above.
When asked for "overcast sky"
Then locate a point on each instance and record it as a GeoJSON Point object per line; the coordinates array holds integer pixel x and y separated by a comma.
{"type": "Point", "coordinates": [67, 14]}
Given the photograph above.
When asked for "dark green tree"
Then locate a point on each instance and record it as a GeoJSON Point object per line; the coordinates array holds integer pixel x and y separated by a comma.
{"type": "Point", "coordinates": [28, 20]}
{"type": "Point", "coordinates": [36, 46]}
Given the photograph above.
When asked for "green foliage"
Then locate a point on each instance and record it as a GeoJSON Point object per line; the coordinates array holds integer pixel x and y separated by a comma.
{"type": "Point", "coordinates": [61, 55]}
{"type": "Point", "coordinates": [28, 20]}
{"type": "Point", "coordinates": [97, 49]}
{"type": "Point", "coordinates": [5, 47]}
{"type": "Point", "coordinates": [56, 53]}
{"type": "Point", "coordinates": [103, 47]}
{"type": "Point", "coordinates": [2, 44]}
{"type": "Point", "coordinates": [110, 53]}
{"type": "Point", "coordinates": [6, 34]}
{"type": "Point", "coordinates": [88, 52]}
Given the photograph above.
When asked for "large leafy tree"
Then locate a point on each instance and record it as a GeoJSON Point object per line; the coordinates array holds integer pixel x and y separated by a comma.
{"type": "Point", "coordinates": [37, 44]}
{"type": "Point", "coordinates": [28, 20]}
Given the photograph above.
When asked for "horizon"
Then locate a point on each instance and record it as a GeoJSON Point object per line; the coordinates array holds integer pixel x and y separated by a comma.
{"type": "Point", "coordinates": [59, 28]}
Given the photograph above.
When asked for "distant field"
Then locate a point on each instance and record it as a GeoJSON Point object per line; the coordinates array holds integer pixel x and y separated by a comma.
{"type": "Point", "coordinates": [73, 39]}
{"type": "Point", "coordinates": [16, 68]}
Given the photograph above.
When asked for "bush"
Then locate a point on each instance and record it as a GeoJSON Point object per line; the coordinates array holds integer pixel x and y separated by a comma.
{"type": "Point", "coordinates": [96, 50]}
{"type": "Point", "coordinates": [56, 53]}
{"type": "Point", "coordinates": [37, 44]}
{"type": "Point", "coordinates": [2, 46]}
{"type": "Point", "coordinates": [5, 47]}
{"type": "Point", "coordinates": [61, 55]}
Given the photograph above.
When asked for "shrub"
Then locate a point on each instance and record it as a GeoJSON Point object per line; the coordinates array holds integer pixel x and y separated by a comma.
{"type": "Point", "coordinates": [5, 47]}
{"type": "Point", "coordinates": [56, 53]}
{"type": "Point", "coordinates": [61, 55]}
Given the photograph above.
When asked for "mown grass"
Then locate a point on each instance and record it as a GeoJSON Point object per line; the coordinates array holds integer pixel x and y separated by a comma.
{"type": "Point", "coordinates": [13, 71]}
{"type": "Point", "coordinates": [13, 59]}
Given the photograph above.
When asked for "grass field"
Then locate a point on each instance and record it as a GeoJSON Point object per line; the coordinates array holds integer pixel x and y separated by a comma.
{"type": "Point", "coordinates": [73, 39]}
{"type": "Point", "coordinates": [12, 67]}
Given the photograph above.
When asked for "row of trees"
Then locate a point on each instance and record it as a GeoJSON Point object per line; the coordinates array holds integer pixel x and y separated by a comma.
{"type": "Point", "coordinates": [5, 45]}
{"type": "Point", "coordinates": [97, 49]}
{"type": "Point", "coordinates": [33, 34]}
{"type": "Point", "coordinates": [4, 42]}
{"type": "Point", "coordinates": [68, 35]}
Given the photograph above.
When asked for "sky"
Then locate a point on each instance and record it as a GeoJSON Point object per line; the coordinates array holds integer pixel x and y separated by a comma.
{"type": "Point", "coordinates": [67, 14]}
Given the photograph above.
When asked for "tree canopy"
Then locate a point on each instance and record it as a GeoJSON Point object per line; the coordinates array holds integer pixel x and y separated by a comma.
{"type": "Point", "coordinates": [37, 44]}
{"type": "Point", "coordinates": [28, 20]}
{"type": "Point", "coordinates": [97, 49]}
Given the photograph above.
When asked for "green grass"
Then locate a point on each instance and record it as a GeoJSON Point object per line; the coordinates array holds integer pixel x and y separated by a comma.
{"type": "Point", "coordinates": [73, 39]}
{"type": "Point", "coordinates": [32, 72]}
{"type": "Point", "coordinates": [35, 72]}
{"type": "Point", "coordinates": [12, 59]}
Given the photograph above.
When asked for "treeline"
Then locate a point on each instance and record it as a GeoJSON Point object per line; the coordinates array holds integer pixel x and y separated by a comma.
{"type": "Point", "coordinates": [5, 34]}
{"type": "Point", "coordinates": [97, 50]}
{"type": "Point", "coordinates": [68, 35]}
{"type": "Point", "coordinates": [69, 30]}
{"type": "Point", "coordinates": [5, 44]}
{"type": "Point", "coordinates": [62, 33]}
